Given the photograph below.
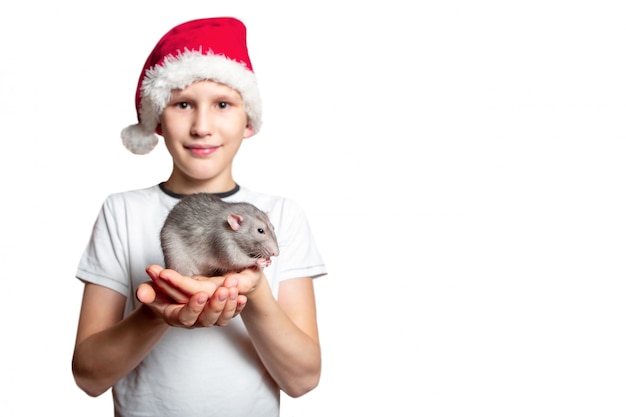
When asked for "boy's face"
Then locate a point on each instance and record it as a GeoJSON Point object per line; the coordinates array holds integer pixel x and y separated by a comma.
{"type": "Point", "coordinates": [203, 127]}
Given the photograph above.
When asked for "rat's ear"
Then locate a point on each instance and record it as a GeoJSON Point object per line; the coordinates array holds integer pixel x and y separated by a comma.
{"type": "Point", "coordinates": [235, 221]}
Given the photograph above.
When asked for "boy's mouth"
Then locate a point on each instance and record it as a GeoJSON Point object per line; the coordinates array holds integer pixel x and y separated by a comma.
{"type": "Point", "coordinates": [202, 150]}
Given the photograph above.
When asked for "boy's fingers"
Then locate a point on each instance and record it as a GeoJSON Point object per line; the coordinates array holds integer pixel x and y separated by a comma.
{"type": "Point", "coordinates": [146, 293]}
{"type": "Point", "coordinates": [230, 308]}
{"type": "Point", "coordinates": [170, 290]}
{"type": "Point", "coordinates": [188, 315]}
{"type": "Point", "coordinates": [213, 311]}
{"type": "Point", "coordinates": [182, 287]}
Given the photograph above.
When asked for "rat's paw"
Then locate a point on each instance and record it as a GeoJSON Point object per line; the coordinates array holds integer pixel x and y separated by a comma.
{"type": "Point", "coordinates": [265, 262]}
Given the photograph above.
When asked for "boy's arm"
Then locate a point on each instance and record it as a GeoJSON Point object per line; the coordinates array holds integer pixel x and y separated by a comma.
{"type": "Point", "coordinates": [285, 333]}
{"type": "Point", "coordinates": [109, 346]}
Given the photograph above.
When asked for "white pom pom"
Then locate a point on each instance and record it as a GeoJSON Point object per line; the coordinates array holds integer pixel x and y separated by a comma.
{"type": "Point", "coordinates": [138, 140]}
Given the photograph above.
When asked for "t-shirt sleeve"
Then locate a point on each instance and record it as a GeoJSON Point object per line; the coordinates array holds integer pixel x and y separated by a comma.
{"type": "Point", "coordinates": [299, 254]}
{"type": "Point", "coordinates": [105, 260]}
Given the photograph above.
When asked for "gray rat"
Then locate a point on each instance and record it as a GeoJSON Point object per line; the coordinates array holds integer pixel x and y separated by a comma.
{"type": "Point", "coordinates": [204, 235]}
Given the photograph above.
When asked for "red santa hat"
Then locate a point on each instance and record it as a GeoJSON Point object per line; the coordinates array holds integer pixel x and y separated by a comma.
{"type": "Point", "coordinates": [204, 49]}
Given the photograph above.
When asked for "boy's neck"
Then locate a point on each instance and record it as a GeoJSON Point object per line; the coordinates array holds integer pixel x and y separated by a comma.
{"type": "Point", "coordinates": [163, 187]}
{"type": "Point", "coordinates": [178, 187]}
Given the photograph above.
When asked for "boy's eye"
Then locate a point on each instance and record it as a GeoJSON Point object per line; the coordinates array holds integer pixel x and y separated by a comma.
{"type": "Point", "coordinates": [182, 105]}
{"type": "Point", "coordinates": [222, 104]}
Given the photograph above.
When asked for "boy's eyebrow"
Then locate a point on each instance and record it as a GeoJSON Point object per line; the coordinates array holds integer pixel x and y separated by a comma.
{"type": "Point", "coordinates": [227, 97]}
{"type": "Point", "coordinates": [222, 96]}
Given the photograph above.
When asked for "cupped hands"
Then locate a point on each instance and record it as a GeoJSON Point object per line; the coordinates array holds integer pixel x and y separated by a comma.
{"type": "Point", "coordinates": [192, 302]}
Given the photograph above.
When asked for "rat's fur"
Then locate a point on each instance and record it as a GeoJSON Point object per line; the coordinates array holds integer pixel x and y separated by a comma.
{"type": "Point", "coordinates": [204, 235]}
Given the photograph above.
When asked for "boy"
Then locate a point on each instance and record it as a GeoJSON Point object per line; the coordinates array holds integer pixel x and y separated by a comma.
{"type": "Point", "coordinates": [179, 346]}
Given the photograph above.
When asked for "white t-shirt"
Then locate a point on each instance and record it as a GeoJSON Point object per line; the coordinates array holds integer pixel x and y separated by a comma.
{"type": "Point", "coordinates": [191, 372]}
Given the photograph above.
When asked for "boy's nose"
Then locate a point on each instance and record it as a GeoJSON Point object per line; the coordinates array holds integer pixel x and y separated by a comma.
{"type": "Point", "coordinates": [202, 124]}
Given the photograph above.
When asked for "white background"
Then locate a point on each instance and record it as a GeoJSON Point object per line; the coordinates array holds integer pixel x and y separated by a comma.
{"type": "Point", "coordinates": [461, 163]}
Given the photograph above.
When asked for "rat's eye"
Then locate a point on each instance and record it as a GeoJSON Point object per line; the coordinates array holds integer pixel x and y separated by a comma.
{"type": "Point", "coordinates": [261, 230]}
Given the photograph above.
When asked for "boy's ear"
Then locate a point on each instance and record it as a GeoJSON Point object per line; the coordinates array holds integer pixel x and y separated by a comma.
{"type": "Point", "coordinates": [248, 132]}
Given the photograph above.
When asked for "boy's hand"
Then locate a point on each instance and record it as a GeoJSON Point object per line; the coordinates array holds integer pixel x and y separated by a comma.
{"type": "Point", "coordinates": [246, 280]}
{"type": "Point", "coordinates": [191, 302]}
